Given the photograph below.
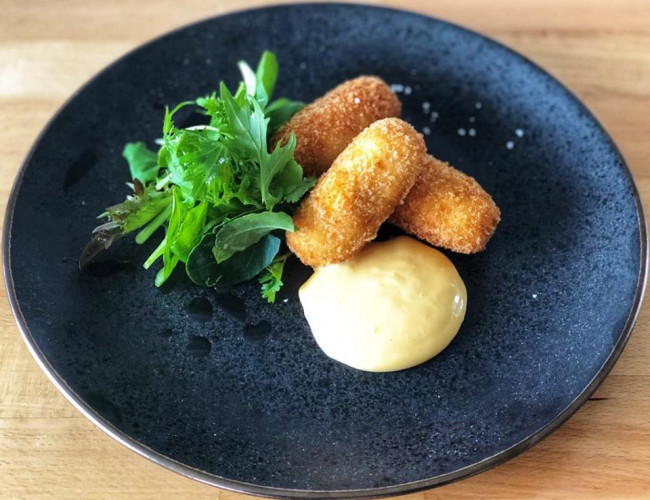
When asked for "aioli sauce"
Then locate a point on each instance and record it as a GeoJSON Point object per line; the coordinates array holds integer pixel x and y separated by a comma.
{"type": "Point", "coordinates": [394, 305]}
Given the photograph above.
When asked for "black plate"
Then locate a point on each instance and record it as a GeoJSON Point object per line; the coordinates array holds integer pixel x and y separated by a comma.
{"type": "Point", "coordinates": [234, 392]}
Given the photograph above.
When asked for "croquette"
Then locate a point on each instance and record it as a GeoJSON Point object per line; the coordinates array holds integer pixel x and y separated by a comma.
{"type": "Point", "coordinates": [326, 126]}
{"type": "Point", "coordinates": [448, 209]}
{"type": "Point", "coordinates": [358, 193]}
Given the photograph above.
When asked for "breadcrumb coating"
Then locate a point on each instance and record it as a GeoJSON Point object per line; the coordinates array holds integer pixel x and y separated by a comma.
{"type": "Point", "coordinates": [448, 209]}
{"type": "Point", "coordinates": [358, 193]}
{"type": "Point", "coordinates": [326, 126]}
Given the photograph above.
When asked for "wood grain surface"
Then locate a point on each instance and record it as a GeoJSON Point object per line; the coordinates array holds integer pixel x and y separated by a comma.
{"type": "Point", "coordinates": [599, 48]}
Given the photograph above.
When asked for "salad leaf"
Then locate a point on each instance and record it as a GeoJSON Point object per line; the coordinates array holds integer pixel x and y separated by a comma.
{"type": "Point", "coordinates": [245, 128]}
{"type": "Point", "coordinates": [203, 269]}
{"type": "Point", "coordinates": [170, 260]}
{"type": "Point", "coordinates": [290, 185]}
{"type": "Point", "coordinates": [136, 210]}
{"type": "Point", "coordinates": [266, 75]}
{"type": "Point", "coordinates": [279, 112]}
{"type": "Point", "coordinates": [274, 164]}
{"type": "Point", "coordinates": [244, 231]}
{"type": "Point", "coordinates": [271, 279]}
{"type": "Point", "coordinates": [250, 79]}
{"type": "Point", "coordinates": [97, 244]}
{"type": "Point", "coordinates": [299, 190]}
{"type": "Point", "coordinates": [215, 188]}
{"type": "Point", "coordinates": [142, 162]}
{"type": "Point", "coordinates": [150, 228]}
{"type": "Point", "coordinates": [189, 231]}
{"type": "Point", "coordinates": [246, 134]}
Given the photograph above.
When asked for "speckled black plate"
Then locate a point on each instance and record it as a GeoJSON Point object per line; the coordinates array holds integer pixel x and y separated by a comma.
{"type": "Point", "coordinates": [234, 392]}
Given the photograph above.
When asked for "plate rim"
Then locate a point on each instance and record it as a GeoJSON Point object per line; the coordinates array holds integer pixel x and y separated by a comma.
{"type": "Point", "coordinates": [276, 492]}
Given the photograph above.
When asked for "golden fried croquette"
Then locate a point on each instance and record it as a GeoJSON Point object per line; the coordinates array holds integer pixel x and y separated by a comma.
{"type": "Point", "coordinates": [360, 190]}
{"type": "Point", "coordinates": [448, 209]}
{"type": "Point", "coordinates": [326, 126]}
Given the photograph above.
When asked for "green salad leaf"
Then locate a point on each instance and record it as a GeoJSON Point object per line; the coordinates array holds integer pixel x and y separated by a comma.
{"type": "Point", "coordinates": [143, 163]}
{"type": "Point", "coordinates": [137, 210]}
{"type": "Point", "coordinates": [279, 112]}
{"type": "Point", "coordinates": [271, 279]}
{"type": "Point", "coordinates": [216, 189]}
{"type": "Point", "coordinates": [242, 232]}
{"type": "Point", "coordinates": [203, 269]}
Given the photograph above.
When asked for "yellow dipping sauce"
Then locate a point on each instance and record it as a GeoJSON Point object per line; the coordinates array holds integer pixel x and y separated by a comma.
{"type": "Point", "coordinates": [394, 305]}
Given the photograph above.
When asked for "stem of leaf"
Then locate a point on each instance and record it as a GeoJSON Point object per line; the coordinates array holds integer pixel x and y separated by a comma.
{"type": "Point", "coordinates": [202, 127]}
{"type": "Point", "coordinates": [158, 221]}
{"type": "Point", "coordinates": [156, 254]}
{"type": "Point", "coordinates": [163, 182]}
{"type": "Point", "coordinates": [281, 258]}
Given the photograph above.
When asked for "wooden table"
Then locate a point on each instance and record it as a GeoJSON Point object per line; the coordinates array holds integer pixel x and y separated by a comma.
{"type": "Point", "coordinates": [598, 48]}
